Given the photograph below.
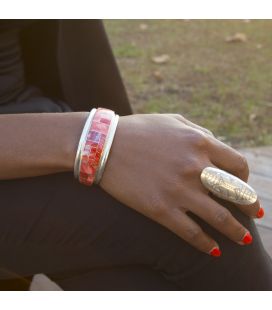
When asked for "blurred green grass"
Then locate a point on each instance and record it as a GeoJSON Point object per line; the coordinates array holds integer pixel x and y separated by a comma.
{"type": "Point", "coordinates": [226, 87]}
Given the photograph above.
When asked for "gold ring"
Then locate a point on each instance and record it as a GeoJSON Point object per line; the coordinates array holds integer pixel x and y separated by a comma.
{"type": "Point", "coordinates": [227, 186]}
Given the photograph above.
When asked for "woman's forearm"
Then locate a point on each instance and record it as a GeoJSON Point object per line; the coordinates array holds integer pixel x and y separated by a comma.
{"type": "Point", "coordinates": [34, 144]}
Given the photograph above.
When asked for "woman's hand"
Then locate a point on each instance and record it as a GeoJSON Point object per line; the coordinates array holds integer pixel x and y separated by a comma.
{"type": "Point", "coordinates": [154, 167]}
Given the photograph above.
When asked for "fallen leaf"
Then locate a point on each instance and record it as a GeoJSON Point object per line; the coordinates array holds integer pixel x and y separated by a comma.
{"type": "Point", "coordinates": [158, 76]}
{"type": "Point", "coordinates": [252, 117]}
{"type": "Point", "coordinates": [259, 46]}
{"type": "Point", "coordinates": [143, 26]}
{"type": "Point", "coordinates": [161, 59]}
{"type": "Point", "coordinates": [236, 38]}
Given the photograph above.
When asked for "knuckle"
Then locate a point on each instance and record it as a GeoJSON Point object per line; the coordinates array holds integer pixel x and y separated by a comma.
{"type": "Point", "coordinates": [193, 233]}
{"type": "Point", "coordinates": [206, 131]}
{"type": "Point", "coordinates": [178, 116]}
{"type": "Point", "coordinates": [242, 165]}
{"type": "Point", "coordinates": [191, 167]}
{"type": "Point", "coordinates": [198, 139]}
{"type": "Point", "coordinates": [222, 217]}
{"type": "Point", "coordinates": [209, 132]}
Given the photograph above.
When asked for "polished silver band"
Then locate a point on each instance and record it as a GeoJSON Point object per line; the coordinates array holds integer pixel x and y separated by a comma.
{"type": "Point", "coordinates": [82, 139]}
{"type": "Point", "coordinates": [106, 150]}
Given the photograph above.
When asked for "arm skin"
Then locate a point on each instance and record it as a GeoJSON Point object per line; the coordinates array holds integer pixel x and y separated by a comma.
{"type": "Point", "coordinates": [34, 144]}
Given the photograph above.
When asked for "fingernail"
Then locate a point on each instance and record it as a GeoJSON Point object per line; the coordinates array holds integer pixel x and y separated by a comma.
{"type": "Point", "coordinates": [260, 213]}
{"type": "Point", "coordinates": [247, 239]}
{"type": "Point", "coordinates": [216, 252]}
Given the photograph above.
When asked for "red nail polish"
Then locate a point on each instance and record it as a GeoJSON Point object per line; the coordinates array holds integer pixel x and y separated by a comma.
{"type": "Point", "coordinates": [247, 238]}
{"type": "Point", "coordinates": [260, 213]}
{"type": "Point", "coordinates": [216, 252]}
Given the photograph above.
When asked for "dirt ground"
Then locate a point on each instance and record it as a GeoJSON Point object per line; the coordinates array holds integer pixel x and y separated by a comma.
{"type": "Point", "coordinates": [217, 73]}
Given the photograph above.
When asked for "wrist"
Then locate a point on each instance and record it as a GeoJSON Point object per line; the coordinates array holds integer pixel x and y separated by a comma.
{"type": "Point", "coordinates": [73, 126]}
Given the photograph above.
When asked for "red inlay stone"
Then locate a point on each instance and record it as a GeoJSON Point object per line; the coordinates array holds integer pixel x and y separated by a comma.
{"type": "Point", "coordinates": [105, 120]}
{"type": "Point", "coordinates": [94, 145]}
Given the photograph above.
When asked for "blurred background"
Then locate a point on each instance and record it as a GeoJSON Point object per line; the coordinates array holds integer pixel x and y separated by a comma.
{"type": "Point", "coordinates": [217, 73]}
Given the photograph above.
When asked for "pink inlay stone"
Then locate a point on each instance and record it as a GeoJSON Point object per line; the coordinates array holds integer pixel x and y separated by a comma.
{"type": "Point", "coordinates": [94, 145]}
{"type": "Point", "coordinates": [103, 128]}
{"type": "Point", "coordinates": [105, 120]}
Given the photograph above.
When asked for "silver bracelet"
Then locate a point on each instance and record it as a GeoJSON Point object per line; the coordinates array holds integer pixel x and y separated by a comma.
{"type": "Point", "coordinates": [82, 139]}
{"type": "Point", "coordinates": [106, 150]}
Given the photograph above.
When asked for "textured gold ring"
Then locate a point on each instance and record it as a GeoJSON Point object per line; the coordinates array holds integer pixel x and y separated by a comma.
{"type": "Point", "coordinates": [227, 186]}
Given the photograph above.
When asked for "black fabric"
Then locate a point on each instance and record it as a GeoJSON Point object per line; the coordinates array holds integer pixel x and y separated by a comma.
{"type": "Point", "coordinates": [84, 239]}
{"type": "Point", "coordinates": [72, 60]}
{"type": "Point", "coordinates": [32, 100]}
{"type": "Point", "coordinates": [11, 65]}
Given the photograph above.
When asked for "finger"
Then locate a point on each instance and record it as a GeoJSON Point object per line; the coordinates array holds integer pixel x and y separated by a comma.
{"type": "Point", "coordinates": [179, 117]}
{"type": "Point", "coordinates": [226, 158]}
{"type": "Point", "coordinates": [198, 127]}
{"type": "Point", "coordinates": [182, 225]}
{"type": "Point", "coordinates": [220, 218]}
{"type": "Point", "coordinates": [254, 210]}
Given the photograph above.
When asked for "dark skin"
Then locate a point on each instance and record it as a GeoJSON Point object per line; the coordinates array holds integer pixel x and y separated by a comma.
{"type": "Point", "coordinates": [154, 166]}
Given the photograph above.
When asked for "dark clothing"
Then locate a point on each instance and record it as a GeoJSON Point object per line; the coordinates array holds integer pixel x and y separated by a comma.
{"type": "Point", "coordinates": [11, 64]}
{"type": "Point", "coordinates": [72, 60]}
{"type": "Point", "coordinates": [80, 236]}
{"type": "Point", "coordinates": [85, 240]}
{"type": "Point", "coordinates": [67, 60]}
{"type": "Point", "coordinates": [16, 95]}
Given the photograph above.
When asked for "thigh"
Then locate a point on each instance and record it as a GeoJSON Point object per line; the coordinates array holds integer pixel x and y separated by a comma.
{"type": "Point", "coordinates": [16, 284]}
{"type": "Point", "coordinates": [54, 225]}
{"type": "Point", "coordinates": [123, 278]}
